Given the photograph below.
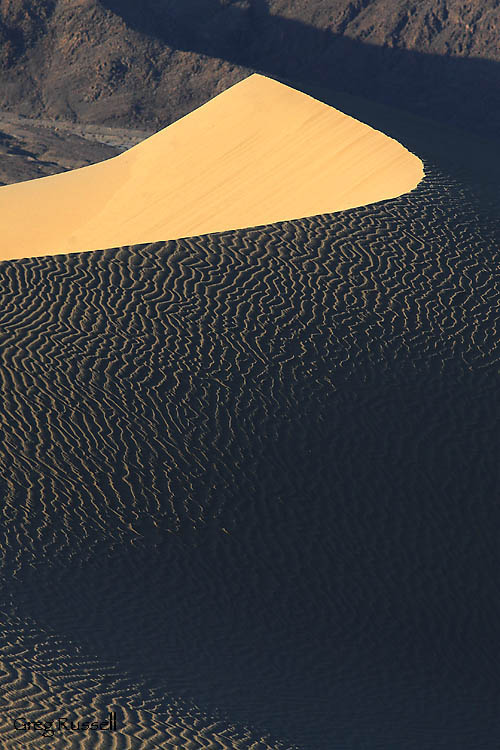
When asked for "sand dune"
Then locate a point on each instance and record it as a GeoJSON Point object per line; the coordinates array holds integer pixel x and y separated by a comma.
{"type": "Point", "coordinates": [248, 481]}
{"type": "Point", "coordinates": [258, 153]}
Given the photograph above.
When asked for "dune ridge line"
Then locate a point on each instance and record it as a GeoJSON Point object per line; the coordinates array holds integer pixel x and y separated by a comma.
{"type": "Point", "coordinates": [259, 153]}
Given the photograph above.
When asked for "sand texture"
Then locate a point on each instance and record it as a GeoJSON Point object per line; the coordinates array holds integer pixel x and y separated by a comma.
{"type": "Point", "coordinates": [249, 484]}
{"type": "Point", "coordinates": [258, 153]}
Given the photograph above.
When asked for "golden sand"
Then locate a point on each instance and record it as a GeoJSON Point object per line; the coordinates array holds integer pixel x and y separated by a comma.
{"type": "Point", "coordinates": [258, 153]}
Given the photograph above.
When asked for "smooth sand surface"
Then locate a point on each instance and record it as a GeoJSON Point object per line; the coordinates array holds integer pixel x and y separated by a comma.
{"type": "Point", "coordinates": [258, 153]}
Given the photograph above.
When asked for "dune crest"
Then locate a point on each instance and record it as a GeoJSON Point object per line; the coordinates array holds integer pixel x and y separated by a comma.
{"type": "Point", "coordinates": [258, 153]}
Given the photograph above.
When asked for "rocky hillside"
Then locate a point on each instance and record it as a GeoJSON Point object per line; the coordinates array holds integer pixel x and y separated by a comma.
{"type": "Point", "coordinates": [146, 64]}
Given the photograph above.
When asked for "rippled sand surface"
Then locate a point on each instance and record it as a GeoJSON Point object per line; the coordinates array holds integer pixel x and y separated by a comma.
{"type": "Point", "coordinates": [250, 485]}
{"type": "Point", "coordinates": [258, 153]}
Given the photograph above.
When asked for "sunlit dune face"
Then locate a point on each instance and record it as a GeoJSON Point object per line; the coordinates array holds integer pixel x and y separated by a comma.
{"type": "Point", "coordinates": [258, 153]}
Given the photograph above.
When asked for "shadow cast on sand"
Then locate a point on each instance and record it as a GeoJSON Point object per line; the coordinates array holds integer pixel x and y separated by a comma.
{"type": "Point", "coordinates": [261, 476]}
{"type": "Point", "coordinates": [336, 602]}
{"type": "Point", "coordinates": [312, 404]}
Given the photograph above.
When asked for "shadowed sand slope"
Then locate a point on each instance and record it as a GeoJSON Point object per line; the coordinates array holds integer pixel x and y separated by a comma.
{"type": "Point", "coordinates": [250, 480]}
{"type": "Point", "coordinates": [258, 153]}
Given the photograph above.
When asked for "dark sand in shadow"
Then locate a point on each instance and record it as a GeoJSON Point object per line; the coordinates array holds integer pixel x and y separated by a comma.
{"type": "Point", "coordinates": [254, 476]}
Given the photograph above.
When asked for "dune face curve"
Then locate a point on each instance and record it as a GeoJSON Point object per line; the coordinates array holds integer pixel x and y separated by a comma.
{"type": "Point", "coordinates": [258, 153]}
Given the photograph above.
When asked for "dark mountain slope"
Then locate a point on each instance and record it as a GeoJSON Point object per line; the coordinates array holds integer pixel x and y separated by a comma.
{"type": "Point", "coordinates": [117, 61]}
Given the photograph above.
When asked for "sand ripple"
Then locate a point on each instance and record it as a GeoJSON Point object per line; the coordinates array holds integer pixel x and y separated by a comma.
{"type": "Point", "coordinates": [251, 476]}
